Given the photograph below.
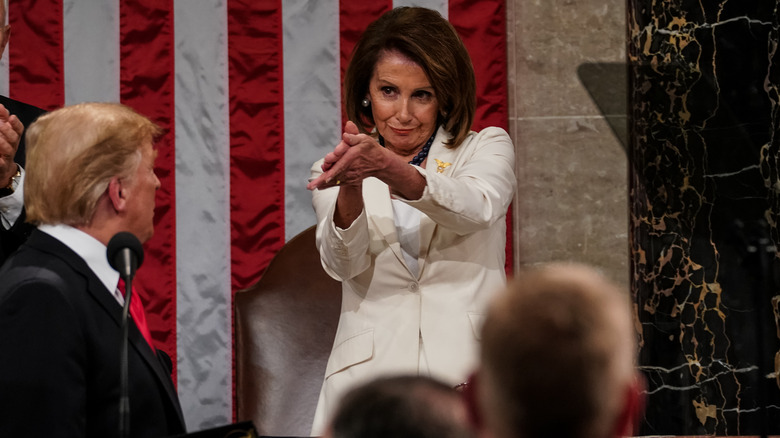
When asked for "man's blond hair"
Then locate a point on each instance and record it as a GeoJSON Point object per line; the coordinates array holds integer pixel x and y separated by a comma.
{"type": "Point", "coordinates": [558, 352]}
{"type": "Point", "coordinates": [72, 154]}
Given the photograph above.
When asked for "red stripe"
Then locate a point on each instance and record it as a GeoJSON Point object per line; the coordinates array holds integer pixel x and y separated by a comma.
{"type": "Point", "coordinates": [482, 26]}
{"type": "Point", "coordinates": [256, 141]}
{"type": "Point", "coordinates": [354, 18]}
{"type": "Point", "coordinates": [256, 136]}
{"type": "Point", "coordinates": [146, 84]}
{"type": "Point", "coordinates": [36, 53]}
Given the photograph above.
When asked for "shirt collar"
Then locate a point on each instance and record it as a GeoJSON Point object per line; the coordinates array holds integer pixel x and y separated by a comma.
{"type": "Point", "coordinates": [88, 248]}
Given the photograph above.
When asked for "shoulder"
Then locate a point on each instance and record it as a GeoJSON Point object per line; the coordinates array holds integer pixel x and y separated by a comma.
{"type": "Point", "coordinates": [32, 287]}
{"type": "Point", "coordinates": [26, 269]}
{"type": "Point", "coordinates": [46, 285]}
{"type": "Point", "coordinates": [485, 135]}
{"type": "Point", "coordinates": [491, 133]}
{"type": "Point", "coordinates": [493, 139]}
{"type": "Point", "coordinates": [41, 260]}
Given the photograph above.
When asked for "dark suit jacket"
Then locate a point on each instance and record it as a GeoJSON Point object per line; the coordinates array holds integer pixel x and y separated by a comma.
{"type": "Point", "coordinates": [60, 338]}
{"type": "Point", "coordinates": [12, 238]}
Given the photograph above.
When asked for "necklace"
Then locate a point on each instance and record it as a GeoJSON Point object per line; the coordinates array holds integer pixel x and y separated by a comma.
{"type": "Point", "coordinates": [420, 157]}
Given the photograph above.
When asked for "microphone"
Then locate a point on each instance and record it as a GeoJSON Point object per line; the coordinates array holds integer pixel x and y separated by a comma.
{"type": "Point", "coordinates": [125, 254]}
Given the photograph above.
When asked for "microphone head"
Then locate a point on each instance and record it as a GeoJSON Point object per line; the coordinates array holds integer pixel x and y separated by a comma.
{"type": "Point", "coordinates": [124, 240]}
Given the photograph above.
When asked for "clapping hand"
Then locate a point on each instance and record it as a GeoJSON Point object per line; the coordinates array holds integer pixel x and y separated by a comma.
{"type": "Point", "coordinates": [11, 129]}
{"type": "Point", "coordinates": [352, 160]}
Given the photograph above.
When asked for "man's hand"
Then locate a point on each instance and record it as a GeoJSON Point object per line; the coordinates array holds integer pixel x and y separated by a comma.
{"type": "Point", "coordinates": [11, 129]}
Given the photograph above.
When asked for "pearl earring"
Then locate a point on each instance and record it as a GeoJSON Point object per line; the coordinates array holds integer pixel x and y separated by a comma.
{"type": "Point", "coordinates": [365, 103]}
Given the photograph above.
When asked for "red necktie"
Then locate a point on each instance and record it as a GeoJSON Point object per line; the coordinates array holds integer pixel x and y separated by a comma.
{"type": "Point", "coordinates": [137, 313]}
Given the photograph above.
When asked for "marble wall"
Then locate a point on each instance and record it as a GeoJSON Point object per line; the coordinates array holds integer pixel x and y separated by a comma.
{"type": "Point", "coordinates": [704, 83]}
{"type": "Point", "coordinates": [678, 202]}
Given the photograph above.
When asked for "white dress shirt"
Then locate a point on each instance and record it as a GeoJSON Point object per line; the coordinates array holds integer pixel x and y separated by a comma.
{"type": "Point", "coordinates": [11, 205]}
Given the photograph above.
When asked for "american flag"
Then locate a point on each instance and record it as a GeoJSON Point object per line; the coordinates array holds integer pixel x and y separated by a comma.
{"type": "Point", "coordinates": [249, 95]}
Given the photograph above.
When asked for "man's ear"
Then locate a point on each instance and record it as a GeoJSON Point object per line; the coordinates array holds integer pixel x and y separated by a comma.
{"type": "Point", "coordinates": [633, 408]}
{"type": "Point", "coordinates": [117, 194]}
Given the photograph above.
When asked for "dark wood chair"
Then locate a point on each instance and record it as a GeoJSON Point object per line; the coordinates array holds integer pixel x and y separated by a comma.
{"type": "Point", "coordinates": [284, 330]}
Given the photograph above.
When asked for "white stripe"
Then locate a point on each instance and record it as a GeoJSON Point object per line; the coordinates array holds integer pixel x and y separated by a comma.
{"type": "Point", "coordinates": [312, 102]}
{"type": "Point", "coordinates": [91, 54]}
{"type": "Point", "coordinates": [437, 5]}
{"type": "Point", "coordinates": [4, 90]}
{"type": "Point", "coordinates": [4, 60]}
{"type": "Point", "coordinates": [203, 213]}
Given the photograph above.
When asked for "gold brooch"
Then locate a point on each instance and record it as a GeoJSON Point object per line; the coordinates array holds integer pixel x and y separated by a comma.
{"type": "Point", "coordinates": [442, 165]}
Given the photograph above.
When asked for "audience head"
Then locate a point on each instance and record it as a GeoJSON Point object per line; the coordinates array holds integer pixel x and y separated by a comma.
{"type": "Point", "coordinates": [558, 357]}
{"type": "Point", "coordinates": [425, 37]}
{"type": "Point", "coordinates": [401, 406]}
{"type": "Point", "coordinates": [92, 165]}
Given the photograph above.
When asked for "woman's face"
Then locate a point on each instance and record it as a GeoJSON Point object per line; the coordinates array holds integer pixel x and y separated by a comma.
{"type": "Point", "coordinates": [403, 103]}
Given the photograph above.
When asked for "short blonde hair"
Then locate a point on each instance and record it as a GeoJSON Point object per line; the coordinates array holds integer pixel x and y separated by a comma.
{"type": "Point", "coordinates": [72, 155]}
{"type": "Point", "coordinates": [558, 348]}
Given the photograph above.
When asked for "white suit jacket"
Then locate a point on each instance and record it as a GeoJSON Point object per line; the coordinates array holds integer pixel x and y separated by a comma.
{"type": "Point", "coordinates": [386, 310]}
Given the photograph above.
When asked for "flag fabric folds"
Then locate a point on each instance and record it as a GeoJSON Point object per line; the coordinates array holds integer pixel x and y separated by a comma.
{"type": "Point", "coordinates": [248, 93]}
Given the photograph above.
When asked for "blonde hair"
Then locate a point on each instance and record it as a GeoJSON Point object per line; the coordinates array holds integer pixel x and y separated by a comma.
{"type": "Point", "coordinates": [558, 348]}
{"type": "Point", "coordinates": [72, 155]}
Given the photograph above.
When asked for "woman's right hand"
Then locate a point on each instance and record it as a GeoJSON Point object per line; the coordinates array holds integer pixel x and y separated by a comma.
{"type": "Point", "coordinates": [359, 156]}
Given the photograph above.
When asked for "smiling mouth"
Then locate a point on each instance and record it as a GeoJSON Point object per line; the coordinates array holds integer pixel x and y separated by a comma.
{"type": "Point", "coordinates": [402, 131]}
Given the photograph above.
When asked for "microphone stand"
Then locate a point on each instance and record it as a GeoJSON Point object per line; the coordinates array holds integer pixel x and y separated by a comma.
{"type": "Point", "coordinates": [125, 254]}
{"type": "Point", "coordinates": [124, 397]}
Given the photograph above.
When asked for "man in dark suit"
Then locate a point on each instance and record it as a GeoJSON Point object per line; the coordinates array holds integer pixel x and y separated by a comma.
{"type": "Point", "coordinates": [90, 176]}
{"type": "Point", "coordinates": [14, 116]}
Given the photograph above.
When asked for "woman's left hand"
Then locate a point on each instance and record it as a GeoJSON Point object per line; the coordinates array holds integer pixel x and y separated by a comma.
{"type": "Point", "coordinates": [355, 158]}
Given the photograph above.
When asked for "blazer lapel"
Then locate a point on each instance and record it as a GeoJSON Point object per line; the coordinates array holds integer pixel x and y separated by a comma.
{"type": "Point", "coordinates": [147, 352]}
{"type": "Point", "coordinates": [136, 340]}
{"type": "Point", "coordinates": [440, 161]}
{"type": "Point", "coordinates": [379, 209]}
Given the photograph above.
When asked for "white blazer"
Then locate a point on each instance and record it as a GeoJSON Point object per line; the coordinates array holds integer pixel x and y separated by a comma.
{"type": "Point", "coordinates": [387, 311]}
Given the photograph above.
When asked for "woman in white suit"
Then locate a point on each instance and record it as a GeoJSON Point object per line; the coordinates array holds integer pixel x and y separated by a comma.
{"type": "Point", "coordinates": [411, 208]}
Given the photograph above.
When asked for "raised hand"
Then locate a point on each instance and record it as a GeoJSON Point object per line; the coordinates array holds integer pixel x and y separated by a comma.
{"type": "Point", "coordinates": [352, 160]}
{"type": "Point", "coordinates": [11, 129]}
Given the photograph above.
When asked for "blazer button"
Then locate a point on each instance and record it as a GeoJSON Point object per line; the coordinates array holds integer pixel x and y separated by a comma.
{"type": "Point", "coordinates": [414, 287]}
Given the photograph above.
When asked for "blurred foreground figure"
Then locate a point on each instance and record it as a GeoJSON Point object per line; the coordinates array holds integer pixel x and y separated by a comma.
{"type": "Point", "coordinates": [401, 407]}
{"type": "Point", "coordinates": [558, 358]}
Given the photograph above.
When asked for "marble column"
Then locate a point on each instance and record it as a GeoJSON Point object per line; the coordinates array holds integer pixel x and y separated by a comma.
{"type": "Point", "coordinates": [704, 154]}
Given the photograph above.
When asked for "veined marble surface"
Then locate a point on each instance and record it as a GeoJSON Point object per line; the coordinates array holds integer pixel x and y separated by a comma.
{"type": "Point", "coordinates": [704, 139]}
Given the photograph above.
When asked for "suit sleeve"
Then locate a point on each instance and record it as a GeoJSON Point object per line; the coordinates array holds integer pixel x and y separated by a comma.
{"type": "Point", "coordinates": [344, 253]}
{"type": "Point", "coordinates": [480, 188]}
{"type": "Point", "coordinates": [41, 369]}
